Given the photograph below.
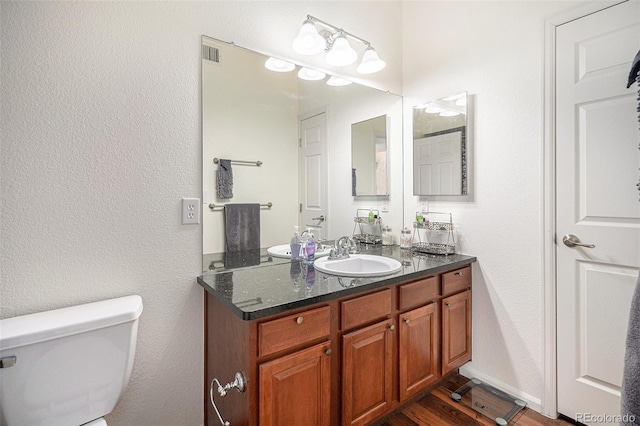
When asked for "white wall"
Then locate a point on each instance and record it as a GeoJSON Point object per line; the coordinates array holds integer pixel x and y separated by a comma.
{"type": "Point", "coordinates": [493, 50]}
{"type": "Point", "coordinates": [101, 138]}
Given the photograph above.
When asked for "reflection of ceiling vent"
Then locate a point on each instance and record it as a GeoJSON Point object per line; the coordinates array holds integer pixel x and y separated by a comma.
{"type": "Point", "coordinates": [211, 54]}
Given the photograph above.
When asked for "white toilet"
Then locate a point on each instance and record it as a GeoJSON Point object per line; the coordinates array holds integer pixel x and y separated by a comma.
{"type": "Point", "coordinates": [67, 366]}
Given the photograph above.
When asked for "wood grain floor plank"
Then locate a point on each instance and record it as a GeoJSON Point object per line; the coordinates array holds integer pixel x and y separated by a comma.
{"type": "Point", "coordinates": [438, 409]}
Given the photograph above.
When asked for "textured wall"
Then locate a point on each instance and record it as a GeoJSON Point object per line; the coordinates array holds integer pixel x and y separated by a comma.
{"type": "Point", "coordinates": [101, 139]}
{"type": "Point", "coordinates": [493, 50]}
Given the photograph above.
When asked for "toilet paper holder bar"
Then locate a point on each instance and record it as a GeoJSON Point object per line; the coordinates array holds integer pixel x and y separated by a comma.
{"type": "Point", "coordinates": [239, 383]}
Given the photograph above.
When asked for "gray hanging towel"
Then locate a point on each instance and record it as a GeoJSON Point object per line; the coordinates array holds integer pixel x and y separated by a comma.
{"type": "Point", "coordinates": [630, 401]}
{"type": "Point", "coordinates": [630, 395]}
{"type": "Point", "coordinates": [225, 180]}
{"type": "Point", "coordinates": [635, 69]}
{"type": "Point", "coordinates": [353, 182]}
{"type": "Point", "coordinates": [242, 226]}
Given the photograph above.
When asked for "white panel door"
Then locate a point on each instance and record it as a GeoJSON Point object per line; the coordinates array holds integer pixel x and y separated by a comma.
{"type": "Point", "coordinates": [437, 165]}
{"type": "Point", "coordinates": [313, 174]}
{"type": "Point", "coordinates": [597, 165]}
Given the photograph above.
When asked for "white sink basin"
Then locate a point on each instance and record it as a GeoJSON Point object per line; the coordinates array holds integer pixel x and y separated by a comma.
{"type": "Point", "coordinates": [359, 265]}
{"type": "Point", "coordinates": [284, 251]}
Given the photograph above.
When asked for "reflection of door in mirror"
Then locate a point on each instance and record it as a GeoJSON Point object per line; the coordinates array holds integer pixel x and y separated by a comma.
{"type": "Point", "coordinates": [369, 157]}
{"type": "Point", "coordinates": [440, 163]}
{"type": "Point", "coordinates": [313, 173]}
{"type": "Point", "coordinates": [437, 164]}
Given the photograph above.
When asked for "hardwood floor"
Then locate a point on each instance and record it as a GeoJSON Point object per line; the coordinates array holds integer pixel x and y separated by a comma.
{"type": "Point", "coordinates": [438, 409]}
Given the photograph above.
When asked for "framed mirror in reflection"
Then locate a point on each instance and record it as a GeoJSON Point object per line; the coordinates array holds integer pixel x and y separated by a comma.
{"type": "Point", "coordinates": [440, 151]}
{"type": "Point", "coordinates": [300, 131]}
{"type": "Point", "coordinates": [369, 157]}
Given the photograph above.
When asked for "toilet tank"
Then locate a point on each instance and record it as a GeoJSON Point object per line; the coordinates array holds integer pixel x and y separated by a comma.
{"type": "Point", "coordinates": [67, 366]}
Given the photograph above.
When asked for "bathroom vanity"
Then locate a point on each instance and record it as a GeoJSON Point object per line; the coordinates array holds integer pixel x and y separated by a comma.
{"type": "Point", "coordinates": [326, 350]}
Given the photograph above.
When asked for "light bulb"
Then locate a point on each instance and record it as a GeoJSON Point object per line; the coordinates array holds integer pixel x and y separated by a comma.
{"type": "Point", "coordinates": [341, 53]}
{"type": "Point", "coordinates": [308, 41]}
{"type": "Point", "coordinates": [337, 81]}
{"type": "Point", "coordinates": [309, 74]}
{"type": "Point", "coordinates": [278, 65]}
{"type": "Point", "coordinates": [433, 109]}
{"type": "Point", "coordinates": [371, 62]}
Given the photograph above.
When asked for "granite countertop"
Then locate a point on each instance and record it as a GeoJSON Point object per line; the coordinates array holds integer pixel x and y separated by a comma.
{"type": "Point", "coordinates": [259, 285]}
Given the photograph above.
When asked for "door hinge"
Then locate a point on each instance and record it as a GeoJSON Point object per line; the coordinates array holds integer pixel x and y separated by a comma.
{"type": "Point", "coordinates": [300, 208]}
{"type": "Point", "coordinates": [299, 142]}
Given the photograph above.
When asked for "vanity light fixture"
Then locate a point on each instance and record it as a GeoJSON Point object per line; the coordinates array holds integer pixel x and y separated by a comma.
{"type": "Point", "coordinates": [278, 65]}
{"type": "Point", "coordinates": [335, 43]}
{"type": "Point", "coordinates": [337, 81]}
{"type": "Point", "coordinates": [309, 74]}
{"type": "Point", "coordinates": [341, 52]}
{"type": "Point", "coordinates": [309, 41]}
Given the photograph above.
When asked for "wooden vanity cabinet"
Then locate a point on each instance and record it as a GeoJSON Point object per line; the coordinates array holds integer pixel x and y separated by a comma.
{"type": "Point", "coordinates": [348, 361]}
{"type": "Point", "coordinates": [456, 319]}
{"type": "Point", "coordinates": [367, 373]}
{"type": "Point", "coordinates": [367, 356]}
{"type": "Point", "coordinates": [418, 334]}
{"type": "Point", "coordinates": [418, 350]}
{"type": "Point", "coordinates": [295, 389]}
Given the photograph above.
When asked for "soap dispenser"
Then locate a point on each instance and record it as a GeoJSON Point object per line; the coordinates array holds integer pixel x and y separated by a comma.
{"type": "Point", "coordinates": [310, 248]}
{"type": "Point", "coordinates": [295, 243]}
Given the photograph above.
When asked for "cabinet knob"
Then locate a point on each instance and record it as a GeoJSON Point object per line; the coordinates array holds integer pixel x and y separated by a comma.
{"type": "Point", "coordinates": [459, 273]}
{"type": "Point", "coordinates": [392, 327]}
{"type": "Point", "coordinates": [299, 320]}
{"type": "Point", "coordinates": [406, 320]}
{"type": "Point", "coordinates": [327, 352]}
{"type": "Point", "coordinates": [447, 304]}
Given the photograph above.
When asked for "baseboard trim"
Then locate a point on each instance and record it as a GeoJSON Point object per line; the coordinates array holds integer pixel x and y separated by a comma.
{"type": "Point", "coordinates": [470, 372]}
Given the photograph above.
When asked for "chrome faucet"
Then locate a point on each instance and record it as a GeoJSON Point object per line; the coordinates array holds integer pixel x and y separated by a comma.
{"type": "Point", "coordinates": [342, 248]}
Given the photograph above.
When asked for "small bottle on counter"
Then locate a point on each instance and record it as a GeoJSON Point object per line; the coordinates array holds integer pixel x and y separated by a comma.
{"type": "Point", "coordinates": [387, 236]}
{"type": "Point", "coordinates": [295, 243]}
{"type": "Point", "coordinates": [405, 239]}
{"type": "Point", "coordinates": [310, 247]}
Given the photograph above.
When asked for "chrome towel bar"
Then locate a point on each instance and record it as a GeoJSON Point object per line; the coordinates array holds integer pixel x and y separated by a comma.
{"type": "Point", "coordinates": [213, 206]}
{"type": "Point", "coordinates": [257, 163]}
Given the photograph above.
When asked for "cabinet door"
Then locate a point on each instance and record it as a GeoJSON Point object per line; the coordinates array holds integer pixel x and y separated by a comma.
{"type": "Point", "coordinates": [366, 373]}
{"type": "Point", "coordinates": [456, 331]}
{"type": "Point", "coordinates": [418, 350]}
{"type": "Point", "coordinates": [295, 389]}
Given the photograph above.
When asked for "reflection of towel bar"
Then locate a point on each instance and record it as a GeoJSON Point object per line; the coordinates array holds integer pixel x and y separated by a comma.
{"type": "Point", "coordinates": [257, 163]}
{"type": "Point", "coordinates": [212, 266]}
{"type": "Point", "coordinates": [221, 206]}
{"type": "Point", "coordinates": [250, 302]}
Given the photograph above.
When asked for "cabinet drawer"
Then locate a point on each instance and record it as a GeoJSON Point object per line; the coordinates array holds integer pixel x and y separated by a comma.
{"type": "Point", "coordinates": [455, 281]}
{"type": "Point", "coordinates": [365, 309]}
{"type": "Point", "coordinates": [293, 330]}
{"type": "Point", "coordinates": [418, 293]}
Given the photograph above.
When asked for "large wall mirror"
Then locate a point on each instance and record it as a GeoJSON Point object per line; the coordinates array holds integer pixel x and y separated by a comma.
{"type": "Point", "coordinates": [369, 157]}
{"type": "Point", "coordinates": [254, 114]}
{"type": "Point", "coordinates": [440, 151]}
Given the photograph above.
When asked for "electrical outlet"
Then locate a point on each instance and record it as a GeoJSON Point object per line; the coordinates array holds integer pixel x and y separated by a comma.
{"type": "Point", "coordinates": [190, 211]}
{"type": "Point", "coordinates": [385, 208]}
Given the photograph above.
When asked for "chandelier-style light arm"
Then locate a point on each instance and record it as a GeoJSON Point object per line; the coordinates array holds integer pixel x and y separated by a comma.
{"type": "Point", "coordinates": [338, 30]}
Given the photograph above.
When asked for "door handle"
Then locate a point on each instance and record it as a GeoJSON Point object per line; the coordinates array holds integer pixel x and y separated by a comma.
{"type": "Point", "coordinates": [319, 218]}
{"type": "Point", "coordinates": [571, 240]}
